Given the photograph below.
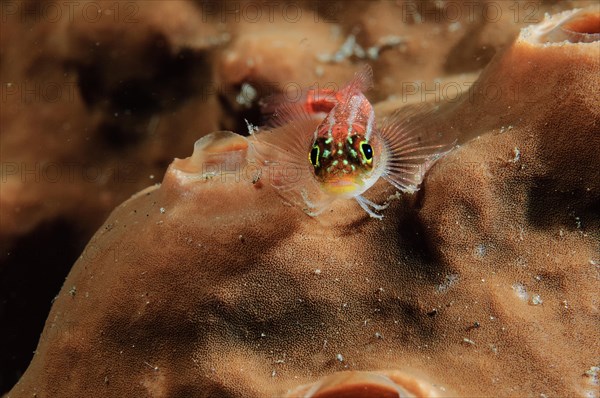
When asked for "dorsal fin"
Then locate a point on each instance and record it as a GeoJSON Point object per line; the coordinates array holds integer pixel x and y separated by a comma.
{"type": "Point", "coordinates": [362, 81]}
{"type": "Point", "coordinates": [310, 100]}
{"type": "Point", "coordinates": [286, 113]}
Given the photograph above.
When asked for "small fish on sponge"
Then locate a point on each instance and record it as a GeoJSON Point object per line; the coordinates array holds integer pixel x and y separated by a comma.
{"type": "Point", "coordinates": [328, 146]}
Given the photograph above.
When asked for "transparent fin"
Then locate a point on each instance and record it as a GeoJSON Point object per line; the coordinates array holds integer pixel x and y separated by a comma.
{"type": "Point", "coordinates": [311, 100]}
{"type": "Point", "coordinates": [284, 146]}
{"type": "Point", "coordinates": [289, 115]}
{"type": "Point", "coordinates": [366, 204]}
{"type": "Point", "coordinates": [283, 153]}
{"type": "Point", "coordinates": [350, 98]}
{"type": "Point", "coordinates": [362, 81]}
{"type": "Point", "coordinates": [315, 208]}
{"type": "Point", "coordinates": [411, 149]}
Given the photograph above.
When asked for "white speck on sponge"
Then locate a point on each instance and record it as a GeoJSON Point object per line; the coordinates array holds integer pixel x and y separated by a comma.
{"type": "Point", "coordinates": [521, 291]}
{"type": "Point", "coordinates": [247, 95]}
{"type": "Point", "coordinates": [536, 300]}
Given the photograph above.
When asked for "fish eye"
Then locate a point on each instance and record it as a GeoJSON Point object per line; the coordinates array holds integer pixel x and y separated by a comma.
{"type": "Point", "coordinates": [314, 155]}
{"type": "Point", "coordinates": [367, 151]}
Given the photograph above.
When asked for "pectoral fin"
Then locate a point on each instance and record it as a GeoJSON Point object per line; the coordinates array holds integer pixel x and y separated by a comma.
{"type": "Point", "coordinates": [410, 149]}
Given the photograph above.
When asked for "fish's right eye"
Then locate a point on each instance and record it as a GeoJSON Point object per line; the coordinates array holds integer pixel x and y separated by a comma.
{"type": "Point", "coordinates": [314, 155]}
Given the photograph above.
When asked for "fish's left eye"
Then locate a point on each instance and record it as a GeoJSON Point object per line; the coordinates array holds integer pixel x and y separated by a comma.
{"type": "Point", "coordinates": [314, 155]}
{"type": "Point", "coordinates": [367, 151]}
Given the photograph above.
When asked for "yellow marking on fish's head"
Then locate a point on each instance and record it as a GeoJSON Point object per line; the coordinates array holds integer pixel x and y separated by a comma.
{"type": "Point", "coordinates": [342, 164]}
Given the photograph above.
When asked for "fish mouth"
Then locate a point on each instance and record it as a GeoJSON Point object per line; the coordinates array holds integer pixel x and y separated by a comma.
{"type": "Point", "coordinates": [341, 185]}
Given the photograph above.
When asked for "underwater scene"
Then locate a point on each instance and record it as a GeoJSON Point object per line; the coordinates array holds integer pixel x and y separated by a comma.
{"type": "Point", "coordinates": [298, 198]}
